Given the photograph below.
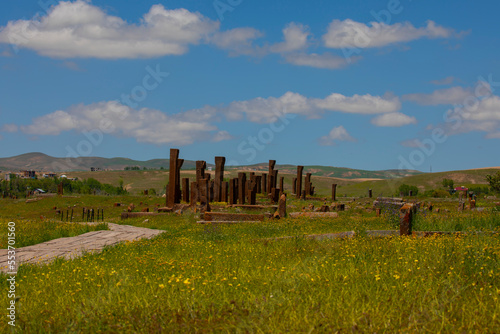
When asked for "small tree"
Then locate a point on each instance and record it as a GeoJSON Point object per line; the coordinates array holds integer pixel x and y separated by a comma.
{"type": "Point", "coordinates": [405, 190]}
{"type": "Point", "coordinates": [494, 181]}
{"type": "Point", "coordinates": [448, 183]}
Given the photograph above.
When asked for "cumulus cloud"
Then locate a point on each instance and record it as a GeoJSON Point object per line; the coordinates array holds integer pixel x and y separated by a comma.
{"type": "Point", "coordinates": [295, 38]}
{"type": "Point", "coordinates": [9, 128]}
{"type": "Point", "coordinates": [446, 81]}
{"type": "Point", "coordinates": [352, 34]}
{"type": "Point", "coordinates": [145, 125]}
{"type": "Point", "coordinates": [79, 29]}
{"type": "Point", "coordinates": [338, 133]}
{"type": "Point", "coordinates": [393, 119]}
{"type": "Point", "coordinates": [153, 126]}
{"type": "Point", "coordinates": [238, 41]}
{"type": "Point", "coordinates": [359, 104]}
{"type": "Point", "coordinates": [484, 116]}
{"type": "Point", "coordinates": [453, 95]}
{"type": "Point", "coordinates": [325, 60]}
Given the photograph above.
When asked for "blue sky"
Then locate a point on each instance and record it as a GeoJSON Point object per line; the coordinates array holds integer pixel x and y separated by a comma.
{"type": "Point", "coordinates": [361, 84]}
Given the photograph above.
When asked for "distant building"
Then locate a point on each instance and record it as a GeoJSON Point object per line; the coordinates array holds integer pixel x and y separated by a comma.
{"type": "Point", "coordinates": [95, 169]}
{"type": "Point", "coordinates": [461, 188]}
{"type": "Point", "coordinates": [48, 175]}
{"type": "Point", "coordinates": [28, 174]}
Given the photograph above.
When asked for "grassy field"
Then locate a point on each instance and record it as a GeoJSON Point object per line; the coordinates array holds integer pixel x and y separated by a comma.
{"type": "Point", "coordinates": [138, 181]}
{"type": "Point", "coordinates": [247, 278]}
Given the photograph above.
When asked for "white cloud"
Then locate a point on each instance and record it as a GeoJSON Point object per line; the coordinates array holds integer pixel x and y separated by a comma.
{"type": "Point", "coordinates": [446, 81]}
{"type": "Point", "coordinates": [394, 119]}
{"type": "Point", "coordinates": [9, 128]}
{"type": "Point", "coordinates": [359, 104]}
{"type": "Point", "coordinates": [145, 125]}
{"type": "Point", "coordinates": [453, 95]}
{"type": "Point", "coordinates": [79, 29]}
{"type": "Point", "coordinates": [338, 133]}
{"type": "Point", "coordinates": [352, 34]}
{"type": "Point", "coordinates": [153, 126]}
{"type": "Point", "coordinates": [295, 38]}
{"type": "Point", "coordinates": [325, 60]}
{"type": "Point", "coordinates": [238, 41]}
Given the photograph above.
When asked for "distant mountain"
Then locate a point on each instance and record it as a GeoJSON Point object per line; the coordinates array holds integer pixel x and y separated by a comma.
{"type": "Point", "coordinates": [337, 172]}
{"type": "Point", "coordinates": [46, 163]}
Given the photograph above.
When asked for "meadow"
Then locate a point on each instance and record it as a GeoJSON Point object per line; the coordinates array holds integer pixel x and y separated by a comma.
{"type": "Point", "coordinates": [247, 278]}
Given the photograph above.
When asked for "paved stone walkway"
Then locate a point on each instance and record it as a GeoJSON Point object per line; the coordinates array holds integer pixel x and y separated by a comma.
{"type": "Point", "coordinates": [72, 247]}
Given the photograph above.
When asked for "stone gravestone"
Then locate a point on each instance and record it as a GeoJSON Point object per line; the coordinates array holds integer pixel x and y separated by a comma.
{"type": "Point", "coordinates": [282, 184]}
{"type": "Point", "coordinates": [307, 184]}
{"type": "Point", "coordinates": [242, 179]}
{"type": "Point", "coordinates": [60, 189]}
{"type": "Point", "coordinates": [219, 178]}
{"type": "Point", "coordinates": [185, 189]}
{"type": "Point", "coordinates": [406, 215]}
{"type": "Point", "coordinates": [224, 191]}
{"type": "Point", "coordinates": [232, 192]}
{"type": "Point", "coordinates": [205, 194]}
{"type": "Point", "coordinates": [264, 183]}
{"type": "Point", "coordinates": [282, 206]}
{"type": "Point", "coordinates": [258, 179]}
{"type": "Point", "coordinates": [252, 192]}
{"type": "Point", "coordinates": [172, 185]}
{"type": "Point", "coordinates": [294, 185]}
{"type": "Point", "coordinates": [200, 175]}
{"type": "Point", "coordinates": [193, 193]}
{"type": "Point", "coordinates": [270, 182]}
{"type": "Point", "coordinates": [334, 192]}
{"type": "Point", "coordinates": [298, 189]}
{"type": "Point", "coordinates": [369, 193]}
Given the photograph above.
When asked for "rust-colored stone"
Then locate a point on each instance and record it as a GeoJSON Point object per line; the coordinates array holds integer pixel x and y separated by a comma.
{"type": "Point", "coordinates": [334, 192]}
{"type": "Point", "coordinates": [185, 189]}
{"type": "Point", "coordinates": [298, 189]}
{"type": "Point", "coordinates": [224, 190]}
{"type": "Point", "coordinates": [219, 178]}
{"type": "Point", "coordinates": [172, 177]}
{"type": "Point", "coordinates": [242, 179]}
{"type": "Point", "coordinates": [271, 182]}
{"type": "Point", "coordinates": [264, 183]}
{"type": "Point", "coordinates": [406, 214]}
{"type": "Point", "coordinates": [282, 206]}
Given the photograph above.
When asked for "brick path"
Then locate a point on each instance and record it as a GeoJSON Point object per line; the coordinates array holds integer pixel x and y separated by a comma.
{"type": "Point", "coordinates": [72, 247]}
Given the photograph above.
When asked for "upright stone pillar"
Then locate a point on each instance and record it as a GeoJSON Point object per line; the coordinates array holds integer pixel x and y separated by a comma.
{"type": "Point", "coordinates": [219, 177]}
{"type": "Point", "coordinates": [334, 192]}
{"type": "Point", "coordinates": [224, 191]}
{"type": "Point", "coordinates": [282, 206]}
{"type": "Point", "coordinates": [258, 180]}
{"type": "Point", "coordinates": [200, 170]}
{"type": "Point", "coordinates": [369, 193]}
{"type": "Point", "coordinates": [406, 214]}
{"type": "Point", "coordinates": [298, 190]}
{"type": "Point", "coordinates": [271, 184]}
{"type": "Point", "coordinates": [185, 189]}
{"type": "Point", "coordinates": [242, 179]}
{"type": "Point", "coordinates": [172, 177]}
{"type": "Point", "coordinates": [193, 193]}
{"type": "Point", "coordinates": [232, 191]}
{"type": "Point", "coordinates": [307, 184]}
{"type": "Point", "coordinates": [264, 183]}
{"type": "Point", "coordinates": [205, 194]}
{"type": "Point", "coordinates": [282, 184]}
{"type": "Point", "coordinates": [180, 162]}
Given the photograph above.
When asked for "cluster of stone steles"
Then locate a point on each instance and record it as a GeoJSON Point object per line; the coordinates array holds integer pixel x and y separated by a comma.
{"type": "Point", "coordinates": [240, 190]}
